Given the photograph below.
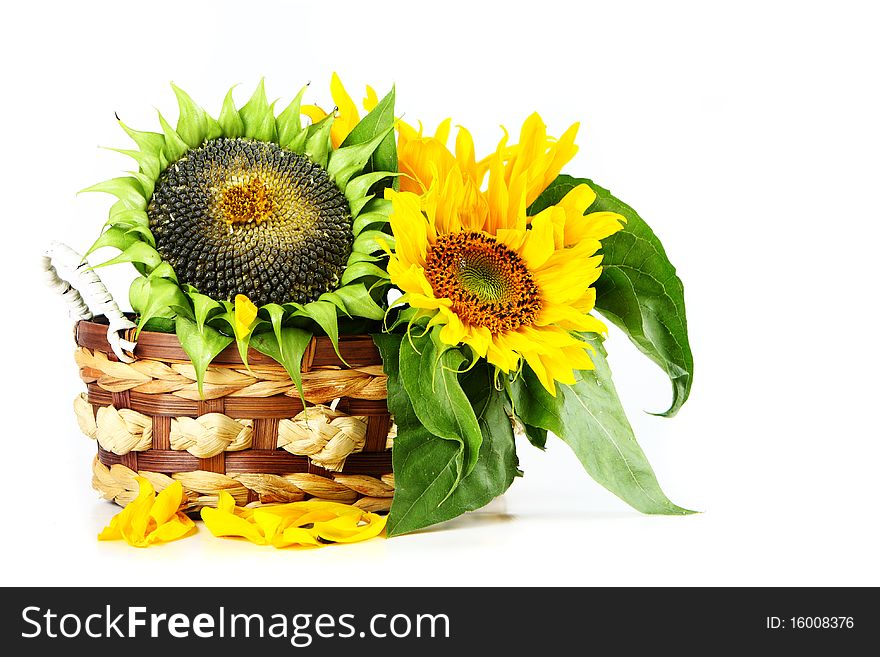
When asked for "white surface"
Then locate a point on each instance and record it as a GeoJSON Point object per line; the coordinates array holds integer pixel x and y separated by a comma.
{"type": "Point", "coordinates": [747, 136]}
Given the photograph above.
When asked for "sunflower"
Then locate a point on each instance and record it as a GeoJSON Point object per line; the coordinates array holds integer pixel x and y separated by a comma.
{"type": "Point", "coordinates": [512, 287]}
{"type": "Point", "coordinates": [253, 218]}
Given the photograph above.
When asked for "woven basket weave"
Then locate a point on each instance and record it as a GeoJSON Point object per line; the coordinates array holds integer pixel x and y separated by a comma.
{"type": "Point", "coordinates": [248, 434]}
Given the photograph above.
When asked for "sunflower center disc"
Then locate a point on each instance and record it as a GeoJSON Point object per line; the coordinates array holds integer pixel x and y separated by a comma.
{"type": "Point", "coordinates": [244, 203]}
{"type": "Point", "coordinates": [237, 216]}
{"type": "Point", "coordinates": [488, 283]}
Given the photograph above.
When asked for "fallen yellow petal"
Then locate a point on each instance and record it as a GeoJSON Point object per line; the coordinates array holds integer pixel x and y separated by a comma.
{"type": "Point", "coordinates": [304, 524]}
{"type": "Point", "coordinates": [149, 518]}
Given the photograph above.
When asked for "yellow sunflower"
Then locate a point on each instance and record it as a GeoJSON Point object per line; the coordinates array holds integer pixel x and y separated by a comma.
{"type": "Point", "coordinates": [513, 287]}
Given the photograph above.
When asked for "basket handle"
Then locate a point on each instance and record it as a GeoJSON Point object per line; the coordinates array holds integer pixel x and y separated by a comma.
{"type": "Point", "coordinates": [68, 274]}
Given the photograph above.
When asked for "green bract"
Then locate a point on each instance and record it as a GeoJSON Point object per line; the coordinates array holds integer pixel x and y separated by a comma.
{"type": "Point", "coordinates": [256, 204]}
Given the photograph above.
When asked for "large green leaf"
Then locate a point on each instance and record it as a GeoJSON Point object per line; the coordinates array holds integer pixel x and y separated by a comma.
{"type": "Point", "coordinates": [257, 116]}
{"type": "Point", "coordinates": [200, 345]}
{"type": "Point", "coordinates": [429, 370]}
{"type": "Point", "coordinates": [426, 466]}
{"type": "Point", "coordinates": [356, 301]}
{"type": "Point", "coordinates": [152, 297]}
{"type": "Point", "coordinates": [588, 416]}
{"type": "Point", "coordinates": [377, 122]}
{"type": "Point", "coordinates": [192, 122]}
{"type": "Point", "coordinates": [638, 290]}
{"type": "Point", "coordinates": [285, 344]}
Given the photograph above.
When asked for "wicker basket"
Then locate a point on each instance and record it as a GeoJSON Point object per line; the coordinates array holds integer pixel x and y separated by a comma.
{"type": "Point", "coordinates": [249, 434]}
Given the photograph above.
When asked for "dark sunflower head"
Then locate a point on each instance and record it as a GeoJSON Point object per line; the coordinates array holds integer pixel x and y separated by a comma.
{"type": "Point", "coordinates": [239, 216]}
{"type": "Point", "coordinates": [252, 221]}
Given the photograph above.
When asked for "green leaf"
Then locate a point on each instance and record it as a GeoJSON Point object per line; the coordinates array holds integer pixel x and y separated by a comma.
{"type": "Point", "coordinates": [202, 346]}
{"type": "Point", "coordinates": [117, 237]}
{"type": "Point", "coordinates": [147, 183]}
{"type": "Point", "coordinates": [288, 349]}
{"type": "Point", "coordinates": [230, 120]}
{"type": "Point", "coordinates": [127, 189]}
{"type": "Point", "coordinates": [358, 187]}
{"type": "Point", "coordinates": [426, 465]}
{"type": "Point", "coordinates": [356, 300]}
{"type": "Point", "coordinates": [164, 270]}
{"type": "Point", "coordinates": [192, 122]}
{"type": "Point", "coordinates": [536, 436]}
{"type": "Point", "coordinates": [160, 325]}
{"type": "Point", "coordinates": [377, 122]}
{"type": "Point", "coordinates": [257, 116]}
{"type": "Point", "coordinates": [638, 290]}
{"type": "Point", "coordinates": [136, 252]}
{"type": "Point", "coordinates": [138, 293]}
{"type": "Point", "coordinates": [324, 315]}
{"type": "Point", "coordinates": [141, 232]}
{"type": "Point", "coordinates": [204, 307]}
{"type": "Point", "coordinates": [276, 316]}
{"type": "Point", "coordinates": [175, 147]}
{"type": "Point", "coordinates": [429, 371]}
{"type": "Point", "coordinates": [589, 418]}
{"type": "Point", "coordinates": [154, 297]}
{"type": "Point", "coordinates": [289, 122]}
{"type": "Point", "coordinates": [148, 164]}
{"type": "Point", "coordinates": [345, 161]}
{"type": "Point", "coordinates": [362, 269]}
{"type": "Point", "coordinates": [122, 213]}
{"type": "Point", "coordinates": [368, 241]}
{"type": "Point", "coordinates": [359, 203]}
{"type": "Point", "coordinates": [151, 143]}
{"type": "Point", "coordinates": [367, 220]}
{"type": "Point", "coordinates": [317, 145]}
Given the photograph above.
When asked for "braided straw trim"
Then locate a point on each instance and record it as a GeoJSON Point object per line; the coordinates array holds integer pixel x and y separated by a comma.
{"type": "Point", "coordinates": [326, 436]}
{"type": "Point", "coordinates": [210, 434]}
{"type": "Point", "coordinates": [179, 379]}
{"type": "Point", "coordinates": [85, 416]}
{"type": "Point", "coordinates": [118, 483]}
{"type": "Point", "coordinates": [119, 431]}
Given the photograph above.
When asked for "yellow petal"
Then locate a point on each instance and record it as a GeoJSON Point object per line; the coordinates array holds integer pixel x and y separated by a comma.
{"type": "Point", "coordinates": [296, 536]}
{"type": "Point", "coordinates": [167, 503]}
{"type": "Point", "coordinates": [409, 279]}
{"type": "Point", "coordinates": [225, 502]}
{"type": "Point", "coordinates": [409, 227]}
{"type": "Point", "coordinates": [532, 143]}
{"type": "Point", "coordinates": [442, 132]}
{"type": "Point", "coordinates": [500, 354]}
{"type": "Point", "coordinates": [559, 155]}
{"type": "Point", "coordinates": [223, 524]}
{"type": "Point", "coordinates": [268, 523]}
{"type": "Point", "coordinates": [465, 154]}
{"type": "Point", "coordinates": [245, 315]}
{"type": "Point", "coordinates": [539, 243]}
{"type": "Point", "coordinates": [314, 113]}
{"type": "Point", "coordinates": [421, 161]}
{"type": "Point", "coordinates": [594, 226]}
{"type": "Point", "coordinates": [150, 519]}
{"type": "Point", "coordinates": [578, 199]}
{"type": "Point", "coordinates": [371, 99]}
{"type": "Point", "coordinates": [479, 339]}
{"type": "Point", "coordinates": [498, 198]}
{"type": "Point", "coordinates": [537, 365]}
{"type": "Point", "coordinates": [178, 526]}
{"type": "Point", "coordinates": [344, 531]}
{"type": "Point", "coordinates": [347, 116]}
{"type": "Point", "coordinates": [454, 331]}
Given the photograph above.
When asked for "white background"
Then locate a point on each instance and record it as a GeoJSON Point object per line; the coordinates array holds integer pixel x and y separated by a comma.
{"type": "Point", "coordinates": [746, 134]}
